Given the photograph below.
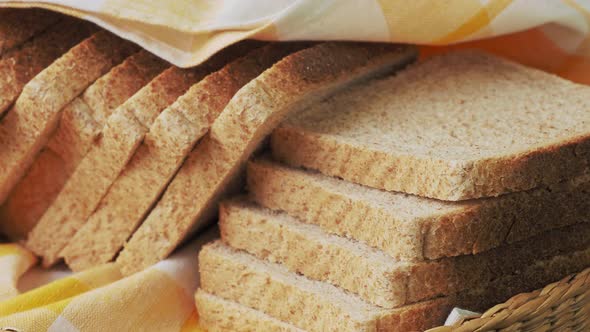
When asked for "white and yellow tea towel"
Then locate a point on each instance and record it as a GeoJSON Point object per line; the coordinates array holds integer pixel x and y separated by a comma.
{"type": "Point", "coordinates": [553, 35]}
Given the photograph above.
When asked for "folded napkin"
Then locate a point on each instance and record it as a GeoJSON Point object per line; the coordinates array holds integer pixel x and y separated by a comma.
{"type": "Point", "coordinates": [547, 34]}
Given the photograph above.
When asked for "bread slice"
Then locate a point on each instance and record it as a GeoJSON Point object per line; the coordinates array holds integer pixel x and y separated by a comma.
{"type": "Point", "coordinates": [317, 306]}
{"type": "Point", "coordinates": [80, 125]}
{"type": "Point", "coordinates": [19, 25]}
{"type": "Point", "coordinates": [19, 66]}
{"type": "Point", "coordinates": [36, 113]}
{"type": "Point", "coordinates": [214, 167]}
{"type": "Point", "coordinates": [155, 162]}
{"type": "Point", "coordinates": [457, 126]}
{"type": "Point", "coordinates": [413, 228]}
{"type": "Point", "coordinates": [374, 276]}
{"type": "Point", "coordinates": [121, 136]}
{"type": "Point", "coordinates": [220, 315]}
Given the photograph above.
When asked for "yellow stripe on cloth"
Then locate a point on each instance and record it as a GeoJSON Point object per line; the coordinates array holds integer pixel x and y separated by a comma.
{"type": "Point", "coordinates": [12, 249]}
{"type": "Point", "coordinates": [61, 289]}
{"type": "Point", "coordinates": [38, 319]}
{"type": "Point", "coordinates": [14, 262]}
{"type": "Point", "coordinates": [147, 301]}
{"type": "Point", "coordinates": [159, 298]}
{"type": "Point", "coordinates": [480, 20]}
{"type": "Point", "coordinates": [426, 21]}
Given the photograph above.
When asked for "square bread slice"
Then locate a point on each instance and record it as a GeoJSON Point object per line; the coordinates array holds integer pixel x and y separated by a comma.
{"type": "Point", "coordinates": [19, 25]}
{"type": "Point", "coordinates": [81, 123]}
{"type": "Point", "coordinates": [374, 276]}
{"type": "Point", "coordinates": [19, 66]}
{"type": "Point", "coordinates": [121, 136]}
{"type": "Point", "coordinates": [413, 228]}
{"type": "Point", "coordinates": [457, 126]}
{"type": "Point", "coordinates": [155, 162]}
{"type": "Point", "coordinates": [36, 113]}
{"type": "Point", "coordinates": [316, 306]}
{"type": "Point", "coordinates": [220, 315]}
{"type": "Point", "coordinates": [213, 169]}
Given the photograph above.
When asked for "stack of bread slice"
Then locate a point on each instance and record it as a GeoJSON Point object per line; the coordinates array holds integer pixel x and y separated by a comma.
{"type": "Point", "coordinates": [459, 181]}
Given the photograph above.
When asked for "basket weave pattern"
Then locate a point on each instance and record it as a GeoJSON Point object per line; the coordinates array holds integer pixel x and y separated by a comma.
{"type": "Point", "coordinates": [560, 306]}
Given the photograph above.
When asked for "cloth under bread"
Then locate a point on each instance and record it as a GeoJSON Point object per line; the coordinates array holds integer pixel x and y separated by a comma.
{"type": "Point", "coordinates": [547, 48]}
{"type": "Point", "coordinates": [100, 299]}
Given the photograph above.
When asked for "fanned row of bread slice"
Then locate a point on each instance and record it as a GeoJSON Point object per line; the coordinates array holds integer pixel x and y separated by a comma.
{"type": "Point", "coordinates": [106, 136]}
{"type": "Point", "coordinates": [458, 181]}
{"type": "Point", "coordinates": [391, 193]}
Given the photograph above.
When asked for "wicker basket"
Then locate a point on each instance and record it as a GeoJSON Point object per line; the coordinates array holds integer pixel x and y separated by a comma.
{"type": "Point", "coordinates": [561, 306]}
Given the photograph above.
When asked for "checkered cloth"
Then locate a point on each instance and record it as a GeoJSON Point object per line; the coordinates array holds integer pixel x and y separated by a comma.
{"type": "Point", "coordinates": [548, 34]}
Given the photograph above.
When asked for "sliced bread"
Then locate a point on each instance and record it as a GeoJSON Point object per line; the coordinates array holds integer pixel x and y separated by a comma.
{"type": "Point", "coordinates": [155, 162]}
{"type": "Point", "coordinates": [317, 306]}
{"type": "Point", "coordinates": [220, 315]}
{"type": "Point", "coordinates": [413, 228]}
{"type": "Point", "coordinates": [214, 167]}
{"type": "Point", "coordinates": [21, 65]}
{"type": "Point", "coordinates": [121, 135]}
{"type": "Point", "coordinates": [81, 123]}
{"type": "Point", "coordinates": [36, 113]}
{"type": "Point", "coordinates": [374, 276]}
{"type": "Point", "coordinates": [457, 126]}
{"type": "Point", "coordinates": [19, 25]}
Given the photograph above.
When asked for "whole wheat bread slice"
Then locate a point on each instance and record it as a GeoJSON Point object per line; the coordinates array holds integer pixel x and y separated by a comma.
{"type": "Point", "coordinates": [155, 162]}
{"type": "Point", "coordinates": [36, 113]}
{"type": "Point", "coordinates": [220, 315]}
{"type": "Point", "coordinates": [214, 167]}
{"type": "Point", "coordinates": [80, 125]}
{"type": "Point", "coordinates": [19, 66]}
{"type": "Point", "coordinates": [456, 126]}
{"type": "Point", "coordinates": [317, 306]}
{"type": "Point", "coordinates": [374, 276]}
{"type": "Point", "coordinates": [19, 25]}
{"type": "Point", "coordinates": [413, 228]}
{"type": "Point", "coordinates": [121, 136]}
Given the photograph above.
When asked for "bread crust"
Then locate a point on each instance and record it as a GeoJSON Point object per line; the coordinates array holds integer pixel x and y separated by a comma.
{"type": "Point", "coordinates": [213, 168]}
